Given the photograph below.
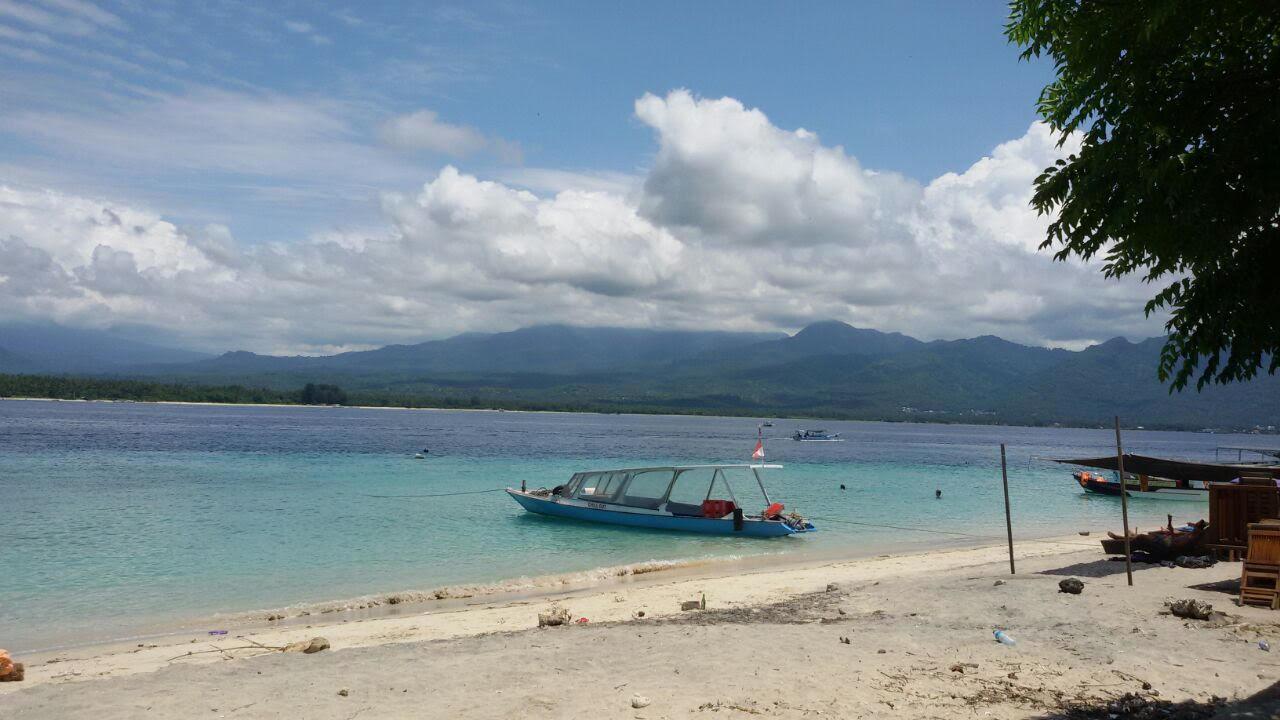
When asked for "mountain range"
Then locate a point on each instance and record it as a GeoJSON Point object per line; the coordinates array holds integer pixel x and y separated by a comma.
{"type": "Point", "coordinates": [827, 369]}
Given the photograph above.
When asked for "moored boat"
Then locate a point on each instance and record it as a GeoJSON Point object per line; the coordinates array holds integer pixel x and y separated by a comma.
{"type": "Point", "coordinates": [690, 498]}
{"type": "Point", "coordinates": [815, 436]}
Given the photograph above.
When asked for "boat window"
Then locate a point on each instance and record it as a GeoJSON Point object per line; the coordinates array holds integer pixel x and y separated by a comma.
{"type": "Point", "coordinates": [601, 486]}
{"type": "Point", "coordinates": [691, 487]}
{"type": "Point", "coordinates": [650, 485]}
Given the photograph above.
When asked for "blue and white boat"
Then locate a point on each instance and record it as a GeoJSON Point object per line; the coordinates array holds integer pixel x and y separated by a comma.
{"type": "Point", "coordinates": [689, 498]}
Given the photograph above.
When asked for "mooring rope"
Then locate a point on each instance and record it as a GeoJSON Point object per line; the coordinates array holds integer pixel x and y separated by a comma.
{"type": "Point", "coordinates": [819, 519]}
{"type": "Point", "coordinates": [435, 495]}
{"type": "Point", "coordinates": [949, 532]}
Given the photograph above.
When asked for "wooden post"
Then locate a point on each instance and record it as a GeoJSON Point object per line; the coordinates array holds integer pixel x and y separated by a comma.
{"type": "Point", "coordinates": [1124, 505]}
{"type": "Point", "coordinates": [1008, 521]}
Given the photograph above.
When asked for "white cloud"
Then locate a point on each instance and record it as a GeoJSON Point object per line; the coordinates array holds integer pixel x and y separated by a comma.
{"type": "Point", "coordinates": [260, 134]}
{"type": "Point", "coordinates": [47, 21]}
{"type": "Point", "coordinates": [737, 224]}
{"type": "Point", "coordinates": [87, 11]}
{"type": "Point", "coordinates": [424, 130]}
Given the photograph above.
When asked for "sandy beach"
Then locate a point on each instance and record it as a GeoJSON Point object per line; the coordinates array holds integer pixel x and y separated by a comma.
{"type": "Point", "coordinates": [906, 636]}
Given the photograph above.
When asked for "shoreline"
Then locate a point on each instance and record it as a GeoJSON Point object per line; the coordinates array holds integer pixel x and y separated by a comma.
{"type": "Point", "coordinates": [399, 600]}
{"type": "Point", "coordinates": [378, 605]}
{"type": "Point", "coordinates": [456, 601]}
{"type": "Point", "coordinates": [911, 616]}
{"type": "Point", "coordinates": [665, 413]}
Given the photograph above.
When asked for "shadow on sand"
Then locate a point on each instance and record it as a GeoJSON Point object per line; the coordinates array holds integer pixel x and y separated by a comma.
{"type": "Point", "coordinates": [1095, 569]}
{"type": "Point", "coordinates": [1263, 705]}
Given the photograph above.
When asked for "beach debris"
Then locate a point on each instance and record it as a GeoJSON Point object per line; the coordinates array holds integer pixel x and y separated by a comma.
{"type": "Point", "coordinates": [1195, 562]}
{"type": "Point", "coordinates": [216, 632]}
{"type": "Point", "coordinates": [639, 613]}
{"type": "Point", "coordinates": [1190, 609]}
{"type": "Point", "coordinates": [271, 617]}
{"type": "Point", "coordinates": [997, 583]}
{"type": "Point", "coordinates": [344, 692]}
{"type": "Point", "coordinates": [832, 587]}
{"type": "Point", "coordinates": [844, 640]}
{"type": "Point", "coordinates": [639, 701]}
{"type": "Point", "coordinates": [700, 604]}
{"type": "Point", "coordinates": [553, 617]}
{"type": "Point", "coordinates": [582, 620]}
{"type": "Point", "coordinates": [1264, 646]}
{"type": "Point", "coordinates": [10, 671]}
{"type": "Point", "coordinates": [1003, 638]}
{"type": "Point", "coordinates": [394, 600]}
{"type": "Point", "coordinates": [1084, 533]}
{"type": "Point", "coordinates": [960, 667]}
{"type": "Point", "coordinates": [1012, 676]}
{"type": "Point", "coordinates": [314, 645]}
{"type": "Point", "coordinates": [1134, 705]}
{"type": "Point", "coordinates": [1072, 586]}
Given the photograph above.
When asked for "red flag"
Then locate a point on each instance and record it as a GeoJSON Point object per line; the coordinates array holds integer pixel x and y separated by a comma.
{"type": "Point", "coordinates": [759, 451]}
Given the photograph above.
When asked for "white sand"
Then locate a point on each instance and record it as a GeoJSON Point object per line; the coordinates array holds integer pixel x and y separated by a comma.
{"type": "Point", "coordinates": [768, 644]}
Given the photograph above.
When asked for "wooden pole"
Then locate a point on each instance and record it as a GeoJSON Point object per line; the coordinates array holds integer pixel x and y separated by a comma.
{"type": "Point", "coordinates": [1124, 505]}
{"type": "Point", "coordinates": [1008, 521]}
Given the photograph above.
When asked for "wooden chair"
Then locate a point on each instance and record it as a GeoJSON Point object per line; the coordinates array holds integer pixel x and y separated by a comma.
{"type": "Point", "coordinates": [1260, 577]}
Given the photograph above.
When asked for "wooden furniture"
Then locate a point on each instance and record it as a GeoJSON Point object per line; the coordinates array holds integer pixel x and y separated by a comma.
{"type": "Point", "coordinates": [1260, 577]}
{"type": "Point", "coordinates": [1232, 506]}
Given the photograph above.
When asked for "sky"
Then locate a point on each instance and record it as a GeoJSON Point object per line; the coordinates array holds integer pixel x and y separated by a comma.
{"type": "Point", "coordinates": [310, 178]}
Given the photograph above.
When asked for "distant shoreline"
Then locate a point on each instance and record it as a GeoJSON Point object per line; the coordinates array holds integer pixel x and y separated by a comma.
{"type": "Point", "coordinates": [656, 413]}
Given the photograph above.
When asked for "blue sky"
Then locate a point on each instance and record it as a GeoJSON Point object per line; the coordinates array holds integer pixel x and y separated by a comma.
{"type": "Point", "coordinates": [917, 88]}
{"type": "Point", "coordinates": [297, 177]}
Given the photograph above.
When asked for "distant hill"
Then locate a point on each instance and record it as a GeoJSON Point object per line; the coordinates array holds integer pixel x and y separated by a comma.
{"type": "Point", "coordinates": [827, 369]}
{"type": "Point", "coordinates": [1119, 378]}
{"type": "Point", "coordinates": [549, 349]}
{"type": "Point", "coordinates": [49, 348]}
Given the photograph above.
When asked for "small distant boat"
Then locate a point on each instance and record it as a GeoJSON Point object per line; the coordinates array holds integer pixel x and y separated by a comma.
{"type": "Point", "coordinates": [815, 436]}
{"type": "Point", "coordinates": [767, 423]}
{"type": "Point", "coordinates": [643, 497]}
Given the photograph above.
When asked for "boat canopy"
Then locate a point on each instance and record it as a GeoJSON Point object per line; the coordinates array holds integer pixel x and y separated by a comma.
{"type": "Point", "coordinates": [1181, 470]}
{"type": "Point", "coordinates": [681, 489]}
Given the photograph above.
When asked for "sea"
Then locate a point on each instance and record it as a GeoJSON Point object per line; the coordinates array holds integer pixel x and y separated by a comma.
{"type": "Point", "coordinates": [119, 520]}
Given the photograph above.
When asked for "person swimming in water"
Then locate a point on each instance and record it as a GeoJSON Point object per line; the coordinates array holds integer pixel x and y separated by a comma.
{"type": "Point", "coordinates": [937, 494]}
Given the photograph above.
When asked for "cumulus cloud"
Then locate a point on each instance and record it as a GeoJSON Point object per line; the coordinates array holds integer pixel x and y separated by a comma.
{"type": "Point", "coordinates": [737, 224]}
{"type": "Point", "coordinates": [424, 130]}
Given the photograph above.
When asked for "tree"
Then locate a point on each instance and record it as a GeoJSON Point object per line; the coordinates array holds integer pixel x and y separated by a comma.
{"type": "Point", "coordinates": [1177, 103]}
{"type": "Point", "coordinates": [316, 394]}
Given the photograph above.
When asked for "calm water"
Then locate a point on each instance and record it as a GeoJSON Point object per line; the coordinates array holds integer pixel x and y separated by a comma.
{"type": "Point", "coordinates": [115, 518]}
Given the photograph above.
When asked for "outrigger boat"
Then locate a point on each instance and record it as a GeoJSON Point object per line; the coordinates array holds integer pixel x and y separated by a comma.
{"type": "Point", "coordinates": [1141, 486]}
{"type": "Point", "coordinates": [1163, 478]}
{"type": "Point", "coordinates": [665, 498]}
{"type": "Point", "coordinates": [815, 436]}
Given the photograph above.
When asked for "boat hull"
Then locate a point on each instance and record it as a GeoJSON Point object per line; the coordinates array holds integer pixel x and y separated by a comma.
{"type": "Point", "coordinates": [1105, 487]}
{"type": "Point", "coordinates": [706, 526]}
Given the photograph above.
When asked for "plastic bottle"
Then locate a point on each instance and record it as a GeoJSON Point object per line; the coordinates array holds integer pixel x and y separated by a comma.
{"type": "Point", "coordinates": [1003, 638]}
{"type": "Point", "coordinates": [1264, 645]}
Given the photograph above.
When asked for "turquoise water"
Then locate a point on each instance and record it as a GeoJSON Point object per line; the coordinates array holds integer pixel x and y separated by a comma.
{"type": "Point", "coordinates": [123, 518]}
